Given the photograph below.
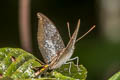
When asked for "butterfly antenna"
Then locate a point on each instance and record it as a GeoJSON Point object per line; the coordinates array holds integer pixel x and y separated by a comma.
{"type": "Point", "coordinates": [86, 33]}
{"type": "Point", "coordinates": [68, 26]}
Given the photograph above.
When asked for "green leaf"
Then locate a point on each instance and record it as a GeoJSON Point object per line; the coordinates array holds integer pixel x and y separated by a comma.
{"type": "Point", "coordinates": [6, 78]}
{"type": "Point", "coordinates": [17, 64]}
{"type": "Point", "coordinates": [116, 76]}
{"type": "Point", "coordinates": [74, 73]}
{"type": "Point", "coordinates": [25, 70]}
{"type": "Point", "coordinates": [6, 59]}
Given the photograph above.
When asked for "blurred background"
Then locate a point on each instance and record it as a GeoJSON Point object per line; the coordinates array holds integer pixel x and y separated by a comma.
{"type": "Point", "coordinates": [99, 51]}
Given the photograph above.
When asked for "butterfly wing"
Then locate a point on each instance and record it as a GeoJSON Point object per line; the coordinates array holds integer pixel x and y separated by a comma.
{"type": "Point", "coordinates": [49, 40]}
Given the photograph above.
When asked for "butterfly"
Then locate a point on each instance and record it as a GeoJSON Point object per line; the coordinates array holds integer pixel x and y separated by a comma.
{"type": "Point", "coordinates": [51, 45]}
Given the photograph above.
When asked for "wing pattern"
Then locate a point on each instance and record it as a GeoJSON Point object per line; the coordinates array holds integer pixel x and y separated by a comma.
{"type": "Point", "coordinates": [49, 39]}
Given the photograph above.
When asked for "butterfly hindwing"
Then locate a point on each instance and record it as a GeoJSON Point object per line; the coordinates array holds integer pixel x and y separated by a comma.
{"type": "Point", "coordinates": [49, 40]}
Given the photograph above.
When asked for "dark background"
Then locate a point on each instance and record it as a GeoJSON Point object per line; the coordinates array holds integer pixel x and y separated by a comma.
{"type": "Point", "coordinates": [100, 57]}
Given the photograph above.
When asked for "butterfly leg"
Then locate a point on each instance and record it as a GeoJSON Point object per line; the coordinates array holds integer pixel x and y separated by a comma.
{"type": "Point", "coordinates": [76, 58]}
{"type": "Point", "coordinates": [69, 66]}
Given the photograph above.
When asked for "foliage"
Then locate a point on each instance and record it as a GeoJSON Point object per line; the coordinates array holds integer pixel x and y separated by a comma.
{"type": "Point", "coordinates": [116, 76]}
{"type": "Point", "coordinates": [18, 64]}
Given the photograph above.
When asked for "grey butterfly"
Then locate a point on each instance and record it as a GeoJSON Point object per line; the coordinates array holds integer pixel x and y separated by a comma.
{"type": "Point", "coordinates": [51, 45]}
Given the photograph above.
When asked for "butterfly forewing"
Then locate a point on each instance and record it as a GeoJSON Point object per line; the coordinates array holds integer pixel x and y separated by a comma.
{"type": "Point", "coordinates": [49, 40]}
{"type": "Point", "coordinates": [67, 52]}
